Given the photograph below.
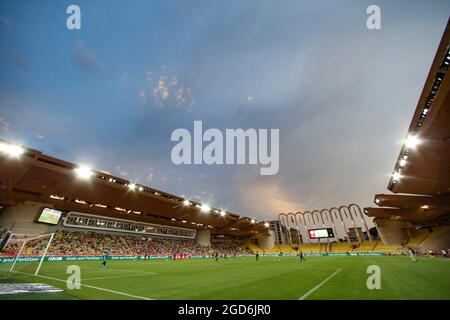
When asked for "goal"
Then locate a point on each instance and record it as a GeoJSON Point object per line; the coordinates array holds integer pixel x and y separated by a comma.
{"type": "Point", "coordinates": [23, 254]}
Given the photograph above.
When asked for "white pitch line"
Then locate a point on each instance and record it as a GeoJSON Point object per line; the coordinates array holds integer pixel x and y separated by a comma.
{"type": "Point", "coordinates": [303, 297]}
{"type": "Point", "coordinates": [89, 286]}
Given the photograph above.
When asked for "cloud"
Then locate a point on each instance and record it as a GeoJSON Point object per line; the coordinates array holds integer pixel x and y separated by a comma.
{"type": "Point", "coordinates": [16, 59]}
{"type": "Point", "coordinates": [40, 136]}
{"type": "Point", "coordinates": [142, 95]}
{"type": "Point", "coordinates": [4, 125]}
{"type": "Point", "coordinates": [161, 92]}
{"type": "Point", "coordinates": [265, 198]}
{"type": "Point", "coordinates": [251, 99]}
{"type": "Point", "coordinates": [122, 172]}
{"type": "Point", "coordinates": [85, 59]}
{"type": "Point", "coordinates": [5, 22]}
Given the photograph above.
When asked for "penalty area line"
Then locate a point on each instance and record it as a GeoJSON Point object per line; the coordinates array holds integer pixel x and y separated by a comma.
{"type": "Point", "coordinates": [89, 286]}
{"type": "Point", "coordinates": [303, 297]}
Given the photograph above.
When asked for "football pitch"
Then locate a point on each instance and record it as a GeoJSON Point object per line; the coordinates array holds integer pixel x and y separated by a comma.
{"type": "Point", "coordinates": [319, 278]}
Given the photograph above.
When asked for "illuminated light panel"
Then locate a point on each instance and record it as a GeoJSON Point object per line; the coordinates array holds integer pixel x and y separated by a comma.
{"type": "Point", "coordinates": [266, 224]}
{"type": "Point", "coordinates": [11, 149]}
{"type": "Point", "coordinates": [186, 203]}
{"type": "Point", "coordinates": [425, 207]}
{"type": "Point", "coordinates": [205, 208]}
{"type": "Point", "coordinates": [83, 172]}
{"type": "Point", "coordinates": [132, 186]}
{"type": "Point", "coordinates": [100, 205]}
{"type": "Point", "coordinates": [252, 221]}
{"type": "Point", "coordinates": [120, 209]}
{"type": "Point", "coordinates": [80, 201]}
{"type": "Point", "coordinates": [222, 213]}
{"type": "Point", "coordinates": [53, 196]}
{"type": "Point", "coordinates": [402, 162]}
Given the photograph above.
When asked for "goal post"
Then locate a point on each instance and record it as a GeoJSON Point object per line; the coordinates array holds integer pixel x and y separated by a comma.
{"type": "Point", "coordinates": [24, 254]}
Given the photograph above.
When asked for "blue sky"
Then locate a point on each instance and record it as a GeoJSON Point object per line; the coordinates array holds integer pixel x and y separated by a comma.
{"type": "Point", "coordinates": [109, 95]}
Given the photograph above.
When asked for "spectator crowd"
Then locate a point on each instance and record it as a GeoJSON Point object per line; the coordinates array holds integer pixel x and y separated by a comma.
{"type": "Point", "coordinates": [94, 243]}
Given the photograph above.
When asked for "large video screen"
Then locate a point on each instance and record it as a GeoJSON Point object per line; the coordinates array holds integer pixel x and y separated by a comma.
{"type": "Point", "coordinates": [50, 216]}
{"type": "Point", "coordinates": [321, 233]}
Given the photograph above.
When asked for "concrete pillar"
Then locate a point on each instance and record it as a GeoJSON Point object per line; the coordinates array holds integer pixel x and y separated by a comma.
{"type": "Point", "coordinates": [23, 216]}
{"type": "Point", "coordinates": [392, 232]}
{"type": "Point", "coordinates": [203, 237]}
{"type": "Point", "coordinates": [266, 241]}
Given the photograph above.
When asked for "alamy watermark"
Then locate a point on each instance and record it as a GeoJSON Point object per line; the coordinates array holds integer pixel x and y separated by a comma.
{"type": "Point", "coordinates": [374, 280]}
{"type": "Point", "coordinates": [190, 149]}
{"type": "Point", "coordinates": [74, 279]}
{"type": "Point", "coordinates": [73, 21]}
{"type": "Point", "coordinates": [373, 21]}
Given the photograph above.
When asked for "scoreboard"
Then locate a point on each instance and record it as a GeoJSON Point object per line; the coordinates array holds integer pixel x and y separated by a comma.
{"type": "Point", "coordinates": [321, 233]}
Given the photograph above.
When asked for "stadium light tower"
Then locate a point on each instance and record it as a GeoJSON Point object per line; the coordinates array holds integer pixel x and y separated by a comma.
{"type": "Point", "coordinates": [11, 150]}
{"type": "Point", "coordinates": [84, 172]}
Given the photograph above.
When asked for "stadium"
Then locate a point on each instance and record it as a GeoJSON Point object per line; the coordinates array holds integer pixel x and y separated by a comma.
{"type": "Point", "coordinates": [69, 231]}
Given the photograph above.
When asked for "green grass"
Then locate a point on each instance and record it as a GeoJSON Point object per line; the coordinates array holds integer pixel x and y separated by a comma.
{"type": "Point", "coordinates": [244, 278]}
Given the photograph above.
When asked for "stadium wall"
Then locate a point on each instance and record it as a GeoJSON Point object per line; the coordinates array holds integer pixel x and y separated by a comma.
{"type": "Point", "coordinates": [203, 237]}
{"type": "Point", "coordinates": [22, 216]}
{"type": "Point", "coordinates": [392, 232]}
{"type": "Point", "coordinates": [266, 241]}
{"type": "Point", "coordinates": [438, 239]}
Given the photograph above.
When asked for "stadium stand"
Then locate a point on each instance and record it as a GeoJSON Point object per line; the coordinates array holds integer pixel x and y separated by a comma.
{"type": "Point", "coordinates": [381, 247]}
{"type": "Point", "coordinates": [93, 243]}
{"type": "Point", "coordinates": [341, 247]}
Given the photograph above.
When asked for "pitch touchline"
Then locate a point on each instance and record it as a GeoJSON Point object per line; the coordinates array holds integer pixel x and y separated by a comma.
{"type": "Point", "coordinates": [89, 286]}
{"type": "Point", "coordinates": [303, 297]}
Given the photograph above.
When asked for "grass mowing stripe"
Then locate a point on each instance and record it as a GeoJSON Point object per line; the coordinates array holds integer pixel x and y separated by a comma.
{"type": "Point", "coordinates": [89, 286]}
{"type": "Point", "coordinates": [303, 297]}
{"type": "Point", "coordinates": [123, 276]}
{"type": "Point", "coordinates": [120, 270]}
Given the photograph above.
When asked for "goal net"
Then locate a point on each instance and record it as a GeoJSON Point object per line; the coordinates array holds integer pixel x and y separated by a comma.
{"type": "Point", "coordinates": [22, 254]}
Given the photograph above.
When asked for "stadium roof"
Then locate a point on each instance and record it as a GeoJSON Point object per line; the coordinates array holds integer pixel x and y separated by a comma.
{"type": "Point", "coordinates": [30, 175]}
{"type": "Point", "coordinates": [422, 170]}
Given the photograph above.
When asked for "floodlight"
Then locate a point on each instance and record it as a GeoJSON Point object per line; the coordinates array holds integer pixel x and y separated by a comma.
{"type": "Point", "coordinates": [205, 208]}
{"type": "Point", "coordinates": [222, 213]}
{"type": "Point", "coordinates": [396, 176]}
{"type": "Point", "coordinates": [132, 186]}
{"type": "Point", "coordinates": [84, 172]}
{"type": "Point", "coordinates": [11, 149]}
{"type": "Point", "coordinates": [266, 224]}
{"type": "Point", "coordinates": [252, 221]}
{"type": "Point", "coordinates": [411, 141]}
{"type": "Point", "coordinates": [186, 203]}
{"type": "Point", "coordinates": [402, 162]}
